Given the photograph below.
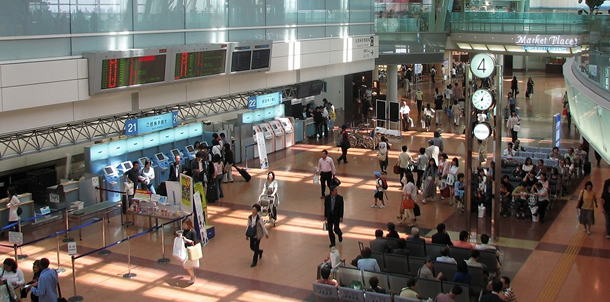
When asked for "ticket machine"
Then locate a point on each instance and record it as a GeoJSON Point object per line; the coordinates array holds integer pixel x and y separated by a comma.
{"type": "Point", "coordinates": [288, 131]}
{"type": "Point", "coordinates": [269, 137]}
{"type": "Point", "coordinates": [124, 167]}
{"type": "Point", "coordinates": [162, 164]}
{"type": "Point", "coordinates": [278, 130]}
{"type": "Point", "coordinates": [190, 152]}
{"type": "Point", "coordinates": [112, 181]}
{"type": "Point", "coordinates": [142, 161]}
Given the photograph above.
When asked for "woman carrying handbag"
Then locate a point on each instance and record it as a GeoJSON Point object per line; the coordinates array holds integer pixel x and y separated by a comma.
{"type": "Point", "coordinates": [189, 236]}
{"type": "Point", "coordinates": [255, 231]}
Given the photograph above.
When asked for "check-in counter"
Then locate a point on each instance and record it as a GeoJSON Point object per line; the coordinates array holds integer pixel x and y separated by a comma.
{"type": "Point", "coordinates": [26, 204]}
{"type": "Point", "coordinates": [62, 195]}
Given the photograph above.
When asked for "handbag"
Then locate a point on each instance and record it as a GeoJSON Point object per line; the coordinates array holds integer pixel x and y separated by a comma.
{"type": "Point", "coordinates": [195, 252]}
{"type": "Point", "coordinates": [335, 181]}
{"type": "Point", "coordinates": [580, 200]}
{"type": "Point", "coordinates": [396, 169]}
{"type": "Point", "coordinates": [251, 230]}
{"type": "Point", "coordinates": [382, 156]}
{"type": "Point", "coordinates": [19, 211]}
{"type": "Point", "coordinates": [416, 210]}
{"type": "Point", "coordinates": [565, 111]}
{"type": "Point", "coordinates": [179, 251]}
{"type": "Point", "coordinates": [517, 128]}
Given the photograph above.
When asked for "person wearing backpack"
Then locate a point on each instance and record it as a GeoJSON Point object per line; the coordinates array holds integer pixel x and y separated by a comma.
{"type": "Point", "coordinates": [380, 186]}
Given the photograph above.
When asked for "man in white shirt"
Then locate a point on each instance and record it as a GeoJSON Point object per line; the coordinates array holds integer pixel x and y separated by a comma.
{"type": "Point", "coordinates": [509, 152]}
{"type": "Point", "coordinates": [444, 257]}
{"type": "Point", "coordinates": [432, 151]}
{"type": "Point", "coordinates": [326, 170]}
{"type": "Point", "coordinates": [404, 114]}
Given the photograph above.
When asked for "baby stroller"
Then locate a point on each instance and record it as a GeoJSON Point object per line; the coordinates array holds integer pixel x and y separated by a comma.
{"type": "Point", "coordinates": [268, 205]}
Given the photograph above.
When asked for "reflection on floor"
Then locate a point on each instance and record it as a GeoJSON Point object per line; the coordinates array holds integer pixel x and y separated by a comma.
{"type": "Point", "coordinates": [533, 254]}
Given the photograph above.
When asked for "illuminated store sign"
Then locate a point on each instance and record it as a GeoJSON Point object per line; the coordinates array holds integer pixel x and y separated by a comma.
{"type": "Point", "coordinates": [545, 48]}
{"type": "Point", "coordinates": [547, 40]}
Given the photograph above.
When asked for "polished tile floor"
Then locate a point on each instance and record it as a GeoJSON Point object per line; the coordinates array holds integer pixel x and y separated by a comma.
{"type": "Point", "coordinates": [555, 261]}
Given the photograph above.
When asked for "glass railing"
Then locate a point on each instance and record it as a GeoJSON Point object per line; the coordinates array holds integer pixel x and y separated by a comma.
{"type": "Point", "coordinates": [403, 17]}
{"type": "Point", "coordinates": [595, 66]}
{"type": "Point", "coordinates": [512, 23]}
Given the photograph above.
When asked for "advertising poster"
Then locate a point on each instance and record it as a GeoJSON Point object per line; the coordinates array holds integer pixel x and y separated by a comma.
{"type": "Point", "coordinates": [262, 150]}
{"type": "Point", "coordinates": [199, 219]}
{"type": "Point", "coordinates": [186, 193]}
{"type": "Point", "coordinates": [199, 189]}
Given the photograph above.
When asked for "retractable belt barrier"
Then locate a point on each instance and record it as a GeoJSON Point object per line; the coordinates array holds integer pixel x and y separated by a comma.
{"type": "Point", "coordinates": [129, 274]}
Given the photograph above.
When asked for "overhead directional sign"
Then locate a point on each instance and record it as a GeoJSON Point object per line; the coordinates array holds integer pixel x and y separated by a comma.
{"type": "Point", "coordinates": [151, 123]}
{"type": "Point", "coordinates": [265, 100]}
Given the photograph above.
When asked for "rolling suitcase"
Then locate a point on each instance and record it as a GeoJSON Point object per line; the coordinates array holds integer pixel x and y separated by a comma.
{"type": "Point", "coordinates": [243, 173]}
{"type": "Point", "coordinates": [587, 168]}
{"type": "Point", "coordinates": [211, 194]}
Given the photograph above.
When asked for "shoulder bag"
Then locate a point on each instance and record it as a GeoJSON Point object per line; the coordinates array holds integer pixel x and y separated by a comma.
{"type": "Point", "coordinates": [251, 231]}
{"type": "Point", "coordinates": [195, 252]}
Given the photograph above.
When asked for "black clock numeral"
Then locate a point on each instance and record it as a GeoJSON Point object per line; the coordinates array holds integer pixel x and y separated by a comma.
{"type": "Point", "coordinates": [481, 66]}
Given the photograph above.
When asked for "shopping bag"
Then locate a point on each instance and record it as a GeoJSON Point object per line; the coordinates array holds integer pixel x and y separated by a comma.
{"type": "Point", "coordinates": [517, 128]}
{"type": "Point", "coordinates": [396, 169]}
{"type": "Point", "coordinates": [316, 180]}
{"type": "Point", "coordinates": [179, 249]}
{"type": "Point", "coordinates": [195, 252]}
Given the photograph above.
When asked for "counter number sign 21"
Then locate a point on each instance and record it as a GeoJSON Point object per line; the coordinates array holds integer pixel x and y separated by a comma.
{"type": "Point", "coordinates": [483, 65]}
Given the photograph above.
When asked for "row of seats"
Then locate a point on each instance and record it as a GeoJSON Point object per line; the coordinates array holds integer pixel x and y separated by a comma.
{"type": "Point", "coordinates": [543, 150]}
{"type": "Point", "coordinates": [408, 265]}
{"type": "Point", "coordinates": [394, 283]}
{"type": "Point", "coordinates": [549, 163]}
{"type": "Point", "coordinates": [330, 293]}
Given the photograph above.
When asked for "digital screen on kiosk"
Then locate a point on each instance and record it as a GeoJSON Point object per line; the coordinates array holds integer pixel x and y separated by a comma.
{"type": "Point", "coordinates": [175, 152]}
{"type": "Point", "coordinates": [108, 170]}
{"type": "Point", "coordinates": [200, 64]}
{"type": "Point", "coordinates": [190, 149]}
{"type": "Point", "coordinates": [127, 165]}
{"type": "Point", "coordinates": [124, 72]}
{"type": "Point", "coordinates": [160, 156]}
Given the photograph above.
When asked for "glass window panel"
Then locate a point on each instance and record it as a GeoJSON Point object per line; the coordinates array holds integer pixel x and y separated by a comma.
{"type": "Point", "coordinates": [312, 11]}
{"type": "Point", "coordinates": [246, 35]}
{"type": "Point", "coordinates": [311, 32]}
{"type": "Point", "coordinates": [206, 37]}
{"type": "Point", "coordinates": [605, 126]}
{"type": "Point", "coordinates": [337, 31]}
{"type": "Point", "coordinates": [94, 16]}
{"type": "Point", "coordinates": [81, 45]}
{"type": "Point", "coordinates": [338, 11]}
{"type": "Point", "coordinates": [360, 30]}
{"type": "Point", "coordinates": [281, 34]}
{"type": "Point", "coordinates": [20, 18]}
{"type": "Point", "coordinates": [34, 49]}
{"type": "Point", "coordinates": [360, 11]}
{"type": "Point", "coordinates": [281, 12]}
{"type": "Point", "coordinates": [206, 14]}
{"type": "Point", "coordinates": [158, 40]}
{"type": "Point", "coordinates": [586, 115]}
{"type": "Point", "coordinates": [246, 13]}
{"type": "Point", "coordinates": [159, 14]}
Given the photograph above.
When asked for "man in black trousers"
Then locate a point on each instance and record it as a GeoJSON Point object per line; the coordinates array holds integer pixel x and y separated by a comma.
{"type": "Point", "coordinates": [333, 212]}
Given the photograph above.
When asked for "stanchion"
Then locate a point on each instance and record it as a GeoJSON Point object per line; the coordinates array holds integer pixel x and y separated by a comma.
{"type": "Point", "coordinates": [129, 274]}
{"type": "Point", "coordinates": [59, 268]}
{"type": "Point", "coordinates": [163, 259]}
{"type": "Point", "coordinates": [16, 258]}
{"type": "Point", "coordinates": [66, 239]}
{"type": "Point", "coordinates": [22, 256]}
{"type": "Point", "coordinates": [103, 252]}
{"type": "Point", "coordinates": [74, 298]}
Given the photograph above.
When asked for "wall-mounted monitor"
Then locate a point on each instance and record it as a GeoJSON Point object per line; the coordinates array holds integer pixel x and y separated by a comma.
{"type": "Point", "coordinates": [160, 157]}
{"type": "Point", "coordinates": [240, 61]}
{"type": "Point", "coordinates": [114, 70]}
{"type": "Point", "coordinates": [196, 61]}
{"type": "Point", "coordinates": [250, 56]}
{"type": "Point", "coordinates": [316, 88]}
{"type": "Point", "coordinates": [303, 90]}
{"type": "Point", "coordinates": [261, 58]}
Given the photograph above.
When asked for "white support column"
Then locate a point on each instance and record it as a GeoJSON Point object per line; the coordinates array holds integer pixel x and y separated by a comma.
{"type": "Point", "coordinates": [392, 84]}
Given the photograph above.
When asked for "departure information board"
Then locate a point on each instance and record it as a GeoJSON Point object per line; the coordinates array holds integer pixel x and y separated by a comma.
{"type": "Point", "coordinates": [200, 64]}
{"type": "Point", "coordinates": [123, 72]}
{"type": "Point", "coordinates": [261, 58]}
{"type": "Point", "coordinates": [241, 61]}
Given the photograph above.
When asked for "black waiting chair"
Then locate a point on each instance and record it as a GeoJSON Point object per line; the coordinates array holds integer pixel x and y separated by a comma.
{"type": "Point", "coordinates": [397, 283]}
{"type": "Point", "coordinates": [448, 269]}
{"type": "Point", "coordinates": [380, 260]}
{"type": "Point", "coordinates": [415, 263]}
{"type": "Point", "coordinates": [348, 275]}
{"type": "Point", "coordinates": [464, 297]}
{"type": "Point", "coordinates": [416, 249]}
{"type": "Point", "coordinates": [396, 264]}
{"type": "Point", "coordinates": [427, 288]}
{"type": "Point", "coordinates": [459, 253]}
{"type": "Point", "coordinates": [434, 249]}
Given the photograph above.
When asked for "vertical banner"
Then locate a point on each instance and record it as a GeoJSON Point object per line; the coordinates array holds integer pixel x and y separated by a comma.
{"type": "Point", "coordinates": [262, 150]}
{"type": "Point", "coordinates": [199, 219]}
{"type": "Point", "coordinates": [556, 129]}
{"type": "Point", "coordinates": [199, 189]}
{"type": "Point", "coordinates": [186, 196]}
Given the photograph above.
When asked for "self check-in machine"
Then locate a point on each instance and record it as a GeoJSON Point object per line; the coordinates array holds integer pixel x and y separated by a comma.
{"type": "Point", "coordinates": [190, 152]}
{"type": "Point", "coordinates": [174, 153]}
{"type": "Point", "coordinates": [162, 163]}
{"type": "Point", "coordinates": [124, 167]}
{"type": "Point", "coordinates": [278, 131]}
{"type": "Point", "coordinates": [288, 131]}
{"type": "Point", "coordinates": [112, 182]}
{"type": "Point", "coordinates": [269, 137]}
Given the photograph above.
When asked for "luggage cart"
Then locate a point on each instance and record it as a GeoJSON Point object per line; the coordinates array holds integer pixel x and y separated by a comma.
{"type": "Point", "coordinates": [268, 208]}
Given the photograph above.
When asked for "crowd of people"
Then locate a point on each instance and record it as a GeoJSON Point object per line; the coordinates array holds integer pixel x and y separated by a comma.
{"type": "Point", "coordinates": [43, 286]}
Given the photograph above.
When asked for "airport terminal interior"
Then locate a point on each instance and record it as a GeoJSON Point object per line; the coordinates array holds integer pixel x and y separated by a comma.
{"type": "Point", "coordinates": [82, 80]}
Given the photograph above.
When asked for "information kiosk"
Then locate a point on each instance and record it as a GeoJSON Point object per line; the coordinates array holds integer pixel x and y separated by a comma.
{"type": "Point", "coordinates": [278, 130]}
{"type": "Point", "coordinates": [288, 131]}
{"type": "Point", "coordinates": [190, 152]}
{"type": "Point", "coordinates": [112, 182]}
{"type": "Point", "coordinates": [255, 130]}
{"type": "Point", "coordinates": [269, 137]}
{"type": "Point", "coordinates": [162, 163]}
{"type": "Point", "coordinates": [124, 167]}
{"type": "Point", "coordinates": [174, 153]}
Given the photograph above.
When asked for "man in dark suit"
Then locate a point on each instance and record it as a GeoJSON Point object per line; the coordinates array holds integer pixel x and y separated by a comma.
{"type": "Point", "coordinates": [494, 296]}
{"type": "Point", "coordinates": [441, 237]}
{"type": "Point", "coordinates": [175, 169]}
{"type": "Point", "coordinates": [380, 244]}
{"type": "Point", "coordinates": [333, 212]}
{"type": "Point", "coordinates": [197, 167]}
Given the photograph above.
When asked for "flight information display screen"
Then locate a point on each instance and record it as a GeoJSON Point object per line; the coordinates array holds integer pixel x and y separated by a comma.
{"type": "Point", "coordinates": [240, 61]}
{"type": "Point", "coordinates": [261, 59]}
{"type": "Point", "coordinates": [124, 72]}
{"type": "Point", "coordinates": [200, 64]}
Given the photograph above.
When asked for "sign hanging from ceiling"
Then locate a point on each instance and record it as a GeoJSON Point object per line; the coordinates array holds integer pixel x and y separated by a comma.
{"type": "Point", "coordinates": [547, 40]}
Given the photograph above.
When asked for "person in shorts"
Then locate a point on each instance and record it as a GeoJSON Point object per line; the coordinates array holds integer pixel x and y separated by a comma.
{"type": "Point", "coordinates": [378, 191]}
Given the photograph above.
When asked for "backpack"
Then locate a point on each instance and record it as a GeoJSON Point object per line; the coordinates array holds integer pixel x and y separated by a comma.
{"type": "Point", "coordinates": [384, 183]}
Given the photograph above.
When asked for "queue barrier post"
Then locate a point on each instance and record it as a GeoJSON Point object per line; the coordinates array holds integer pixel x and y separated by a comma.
{"type": "Point", "coordinates": [59, 268]}
{"type": "Point", "coordinates": [22, 256]}
{"type": "Point", "coordinates": [15, 249]}
{"type": "Point", "coordinates": [163, 259]}
{"type": "Point", "coordinates": [103, 252]}
{"type": "Point", "coordinates": [129, 274]}
{"type": "Point", "coordinates": [66, 239]}
{"type": "Point", "coordinates": [74, 298]}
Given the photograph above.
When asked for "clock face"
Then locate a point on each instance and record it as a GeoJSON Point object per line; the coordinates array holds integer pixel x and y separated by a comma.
{"type": "Point", "coordinates": [482, 65]}
{"type": "Point", "coordinates": [482, 131]}
{"type": "Point", "coordinates": [482, 99]}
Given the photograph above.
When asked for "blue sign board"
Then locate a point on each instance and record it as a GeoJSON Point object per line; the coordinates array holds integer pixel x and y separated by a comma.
{"type": "Point", "coordinates": [151, 123]}
{"type": "Point", "coordinates": [263, 101]}
{"type": "Point", "coordinates": [557, 129]}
